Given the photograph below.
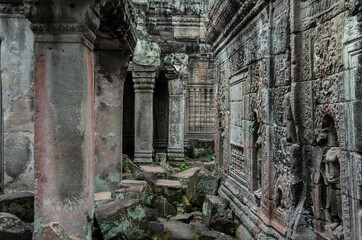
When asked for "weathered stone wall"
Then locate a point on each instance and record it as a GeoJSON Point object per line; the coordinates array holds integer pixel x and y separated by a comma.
{"type": "Point", "coordinates": [17, 98]}
{"type": "Point", "coordinates": [288, 108]}
{"type": "Point", "coordinates": [178, 27]}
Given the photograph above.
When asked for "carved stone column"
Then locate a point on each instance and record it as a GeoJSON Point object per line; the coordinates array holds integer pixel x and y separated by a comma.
{"type": "Point", "coordinates": [110, 71]}
{"type": "Point", "coordinates": [176, 128]}
{"type": "Point", "coordinates": [144, 83]}
{"type": "Point", "coordinates": [64, 126]}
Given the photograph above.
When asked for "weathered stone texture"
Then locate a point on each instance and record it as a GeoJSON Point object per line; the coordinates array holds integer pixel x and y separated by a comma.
{"type": "Point", "coordinates": [287, 75]}
{"type": "Point", "coordinates": [17, 99]}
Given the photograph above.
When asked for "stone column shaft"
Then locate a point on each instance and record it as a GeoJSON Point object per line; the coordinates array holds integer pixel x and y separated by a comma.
{"type": "Point", "coordinates": [144, 83]}
{"type": "Point", "coordinates": [64, 128]}
{"type": "Point", "coordinates": [109, 79]}
{"type": "Point", "coordinates": [175, 148]}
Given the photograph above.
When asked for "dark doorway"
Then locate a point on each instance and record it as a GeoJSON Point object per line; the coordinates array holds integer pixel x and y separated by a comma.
{"type": "Point", "coordinates": [128, 116]}
{"type": "Point", "coordinates": [160, 114]}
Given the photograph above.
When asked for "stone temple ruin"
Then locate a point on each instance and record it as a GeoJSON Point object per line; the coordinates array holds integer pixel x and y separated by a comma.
{"type": "Point", "coordinates": [181, 119]}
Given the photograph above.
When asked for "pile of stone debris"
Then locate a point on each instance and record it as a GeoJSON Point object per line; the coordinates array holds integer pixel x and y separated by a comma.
{"type": "Point", "coordinates": [153, 202]}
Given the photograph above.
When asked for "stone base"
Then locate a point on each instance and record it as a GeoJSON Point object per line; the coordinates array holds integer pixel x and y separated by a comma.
{"type": "Point", "coordinates": [175, 154]}
{"type": "Point", "coordinates": [143, 158]}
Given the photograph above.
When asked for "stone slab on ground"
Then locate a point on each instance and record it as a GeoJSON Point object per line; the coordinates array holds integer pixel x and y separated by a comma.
{"type": "Point", "coordinates": [183, 217]}
{"type": "Point", "coordinates": [156, 171]}
{"type": "Point", "coordinates": [20, 204]}
{"type": "Point", "coordinates": [214, 235]}
{"type": "Point", "coordinates": [124, 219]}
{"type": "Point", "coordinates": [171, 189]}
{"type": "Point", "coordinates": [178, 231]}
{"type": "Point", "coordinates": [185, 174]}
{"type": "Point", "coordinates": [11, 228]}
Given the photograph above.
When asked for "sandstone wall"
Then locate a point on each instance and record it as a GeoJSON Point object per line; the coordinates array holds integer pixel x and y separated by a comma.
{"type": "Point", "coordinates": [288, 114]}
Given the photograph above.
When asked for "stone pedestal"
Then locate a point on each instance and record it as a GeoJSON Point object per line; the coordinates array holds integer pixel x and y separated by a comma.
{"type": "Point", "coordinates": [175, 148]}
{"type": "Point", "coordinates": [144, 83]}
{"type": "Point", "coordinates": [109, 81]}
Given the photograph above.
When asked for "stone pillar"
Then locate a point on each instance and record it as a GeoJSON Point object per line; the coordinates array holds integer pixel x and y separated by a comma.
{"type": "Point", "coordinates": [17, 96]}
{"type": "Point", "coordinates": [176, 127]}
{"type": "Point", "coordinates": [110, 69]}
{"type": "Point", "coordinates": [144, 83]}
{"type": "Point", "coordinates": [64, 113]}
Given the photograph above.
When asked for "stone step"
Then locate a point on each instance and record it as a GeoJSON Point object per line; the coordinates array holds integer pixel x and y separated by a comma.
{"type": "Point", "coordinates": [155, 171]}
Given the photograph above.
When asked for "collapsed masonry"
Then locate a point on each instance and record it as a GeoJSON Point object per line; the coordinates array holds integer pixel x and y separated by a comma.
{"type": "Point", "coordinates": [85, 81]}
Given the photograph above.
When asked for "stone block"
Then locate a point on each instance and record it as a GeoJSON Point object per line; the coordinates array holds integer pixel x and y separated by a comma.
{"type": "Point", "coordinates": [123, 219]}
{"type": "Point", "coordinates": [215, 235]}
{"type": "Point", "coordinates": [20, 204]}
{"type": "Point", "coordinates": [150, 199]}
{"type": "Point", "coordinates": [11, 228]}
{"type": "Point", "coordinates": [156, 172]}
{"type": "Point", "coordinates": [201, 184]}
{"type": "Point", "coordinates": [243, 233]}
{"type": "Point", "coordinates": [170, 189]}
{"type": "Point", "coordinates": [185, 175]}
{"type": "Point", "coordinates": [135, 189]}
{"type": "Point", "coordinates": [52, 231]}
{"type": "Point", "coordinates": [101, 198]}
{"type": "Point", "coordinates": [178, 231]}
{"type": "Point", "coordinates": [125, 160]}
{"type": "Point", "coordinates": [213, 205]}
{"type": "Point", "coordinates": [184, 217]}
{"type": "Point", "coordinates": [164, 208]}
{"type": "Point", "coordinates": [160, 157]}
{"type": "Point", "coordinates": [158, 229]}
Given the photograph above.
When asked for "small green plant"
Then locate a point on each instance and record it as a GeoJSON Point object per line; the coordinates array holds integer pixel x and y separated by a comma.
{"type": "Point", "coordinates": [168, 217]}
{"type": "Point", "coordinates": [186, 159]}
{"type": "Point", "coordinates": [209, 156]}
{"type": "Point", "coordinates": [184, 167]}
{"type": "Point", "coordinates": [232, 231]}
